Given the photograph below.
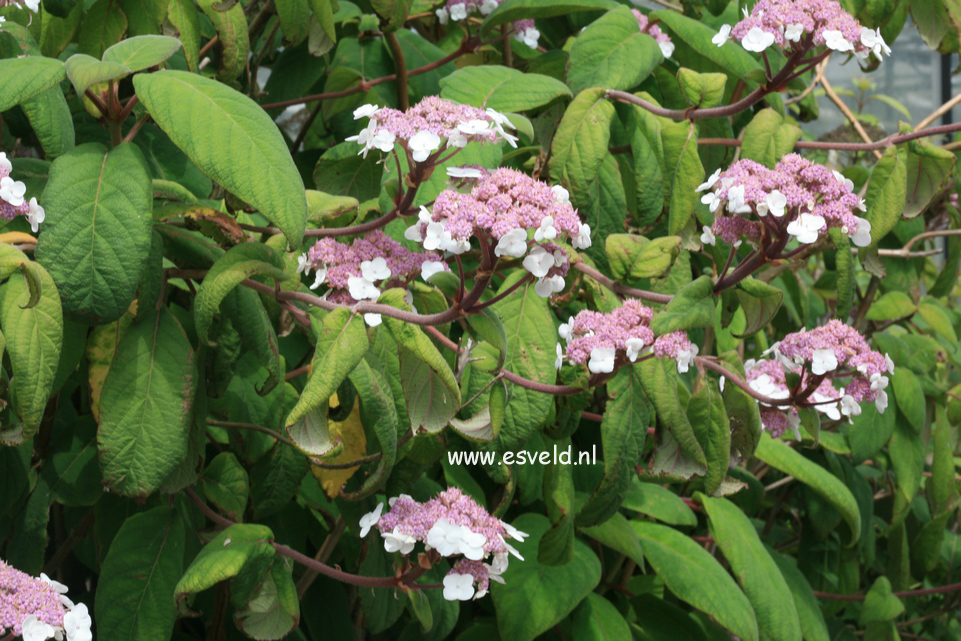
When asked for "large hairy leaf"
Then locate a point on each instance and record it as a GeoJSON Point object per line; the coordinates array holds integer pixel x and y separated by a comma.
{"type": "Point", "coordinates": [24, 78]}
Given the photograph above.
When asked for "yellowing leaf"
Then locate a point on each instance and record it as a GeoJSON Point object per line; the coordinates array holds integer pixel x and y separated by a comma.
{"type": "Point", "coordinates": [349, 432]}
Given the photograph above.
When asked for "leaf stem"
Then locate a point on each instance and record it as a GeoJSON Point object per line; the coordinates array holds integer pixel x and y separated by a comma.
{"type": "Point", "coordinates": [620, 289]}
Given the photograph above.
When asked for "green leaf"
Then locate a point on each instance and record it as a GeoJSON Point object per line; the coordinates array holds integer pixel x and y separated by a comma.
{"type": "Point", "coordinates": [660, 503]}
{"type": "Point", "coordinates": [880, 603]}
{"type": "Point", "coordinates": [145, 407]}
{"type": "Point", "coordinates": [755, 570]}
{"type": "Point", "coordinates": [379, 413]}
{"type": "Point", "coordinates": [536, 597]}
{"type": "Point", "coordinates": [251, 161]}
{"type": "Point", "coordinates": [760, 303]}
{"type": "Point", "coordinates": [781, 456]}
{"type": "Point", "coordinates": [768, 138]}
{"type": "Point", "coordinates": [513, 10]}
{"type": "Point", "coordinates": [140, 571]}
{"type": "Point", "coordinates": [935, 316]}
{"type": "Point", "coordinates": [141, 52]}
{"type": "Point", "coordinates": [683, 170]}
{"type": "Point", "coordinates": [340, 170]}
{"type": "Point", "coordinates": [419, 52]}
{"type": "Point", "coordinates": [731, 56]}
{"type": "Point", "coordinates": [708, 417]}
{"type": "Point", "coordinates": [231, 26]}
{"type": "Point", "coordinates": [238, 264]}
{"type": "Point", "coordinates": [612, 53]}
{"type": "Point", "coordinates": [226, 485]}
{"type": "Point", "coordinates": [910, 397]}
{"type": "Point", "coordinates": [225, 557]}
{"type": "Point", "coordinates": [501, 88]}
{"type": "Point", "coordinates": [33, 335]}
{"type": "Point", "coordinates": [887, 191]}
{"type": "Point", "coordinates": [394, 12]}
{"type": "Point", "coordinates": [813, 626]}
{"type": "Point", "coordinates": [703, 90]}
{"type": "Point", "coordinates": [580, 144]}
{"type": "Point", "coordinates": [617, 534]}
{"type": "Point", "coordinates": [596, 619]}
{"type": "Point", "coordinates": [694, 576]}
{"type": "Point", "coordinates": [24, 78]}
{"type": "Point", "coordinates": [274, 480]}
{"type": "Point", "coordinates": [50, 119]}
{"type": "Point", "coordinates": [602, 203]}
{"type": "Point", "coordinates": [183, 16]}
{"type": "Point", "coordinates": [86, 71]}
{"type": "Point", "coordinates": [96, 237]}
{"type": "Point", "coordinates": [692, 306]}
{"type": "Point", "coordinates": [907, 452]}
{"type": "Point", "coordinates": [249, 317]}
{"type": "Point", "coordinates": [556, 547]}
{"type": "Point", "coordinates": [104, 24]}
{"type": "Point", "coordinates": [648, 153]}
{"type": "Point", "coordinates": [660, 382]}
{"type": "Point", "coordinates": [623, 433]}
{"type": "Point", "coordinates": [929, 169]}
{"type": "Point", "coordinates": [891, 306]}
{"type": "Point", "coordinates": [273, 609]}
{"type": "Point", "coordinates": [632, 257]}
{"type": "Point", "coordinates": [294, 16]}
{"type": "Point", "coordinates": [341, 344]}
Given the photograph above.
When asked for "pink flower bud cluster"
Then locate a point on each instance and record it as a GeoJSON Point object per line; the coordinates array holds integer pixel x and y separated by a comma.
{"type": "Point", "coordinates": [795, 24]}
{"type": "Point", "coordinates": [364, 268]}
{"type": "Point", "coordinates": [798, 198]}
{"type": "Point", "coordinates": [12, 201]}
{"type": "Point", "coordinates": [456, 10]}
{"type": "Point", "coordinates": [453, 524]}
{"type": "Point", "coordinates": [38, 609]}
{"type": "Point", "coordinates": [662, 39]}
{"type": "Point", "coordinates": [819, 357]}
{"type": "Point", "coordinates": [422, 128]}
{"type": "Point", "coordinates": [604, 340]}
{"type": "Point", "coordinates": [505, 205]}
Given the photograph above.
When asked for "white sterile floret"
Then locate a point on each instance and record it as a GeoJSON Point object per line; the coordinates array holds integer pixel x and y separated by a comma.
{"type": "Point", "coordinates": [806, 228]}
{"type": "Point", "coordinates": [434, 235]}
{"type": "Point", "coordinates": [793, 32]}
{"type": "Point", "coordinates": [370, 519]}
{"type": "Point", "coordinates": [364, 138]}
{"type": "Point", "coordinates": [583, 238]}
{"type": "Point", "coordinates": [794, 422]}
{"type": "Point", "coordinates": [397, 541]}
{"type": "Point", "coordinates": [383, 140]}
{"type": "Point", "coordinates": [76, 624]}
{"type": "Point", "coordinates": [458, 587]}
{"type": "Point", "coordinates": [12, 190]}
{"type": "Point", "coordinates": [472, 544]}
{"type": "Point", "coordinates": [685, 358]}
{"type": "Point", "coordinates": [319, 278]}
{"type": "Point", "coordinates": [464, 172]}
{"type": "Point", "coordinates": [757, 40]}
{"type": "Point", "coordinates": [561, 195]}
{"type": "Point", "coordinates": [633, 347]}
{"type": "Point", "coordinates": [529, 37]}
{"type": "Point", "coordinates": [546, 231]}
{"type": "Point", "coordinates": [774, 204]}
{"type": "Point", "coordinates": [835, 40]}
{"type": "Point", "coordinates": [712, 200]}
{"type": "Point", "coordinates": [303, 264]}
{"type": "Point", "coordinates": [33, 5]}
{"type": "Point", "coordinates": [564, 331]}
{"type": "Point", "coordinates": [422, 144]}
{"type": "Point", "coordinates": [888, 363]}
{"type": "Point", "coordinates": [456, 138]}
{"type": "Point", "coordinates": [849, 406]}
{"type": "Point", "coordinates": [473, 127]}
{"type": "Point", "coordinates": [59, 587]}
{"type": "Point", "coordinates": [458, 11]}
{"type": "Point", "coordinates": [374, 270]}
{"type": "Point", "coordinates": [559, 357]}
{"type": "Point", "coordinates": [372, 319]}
{"type": "Point", "coordinates": [874, 42]}
{"type": "Point", "coordinates": [735, 200]}
{"type": "Point", "coordinates": [443, 15]}
{"type": "Point", "coordinates": [723, 35]}
{"type": "Point", "coordinates": [445, 537]}
{"type": "Point", "coordinates": [711, 180]}
{"type": "Point", "coordinates": [513, 243]}
{"type": "Point", "coordinates": [361, 288]}
{"type": "Point", "coordinates": [430, 267]}
{"type": "Point", "coordinates": [878, 384]}
{"type": "Point", "coordinates": [847, 182]}
{"type": "Point", "coordinates": [824, 405]}
{"type": "Point", "coordinates": [501, 121]}
{"type": "Point", "coordinates": [823, 361]}
{"type": "Point", "coordinates": [602, 360]}
{"type": "Point", "coordinates": [667, 48]}
{"type": "Point", "coordinates": [514, 533]}
{"type": "Point", "coordinates": [707, 236]}
{"type": "Point", "coordinates": [5, 165]}
{"type": "Point", "coordinates": [861, 236]}
{"type": "Point", "coordinates": [487, 6]}
{"type": "Point", "coordinates": [366, 111]}
{"type": "Point", "coordinates": [33, 629]}
{"type": "Point", "coordinates": [538, 262]}
{"type": "Point", "coordinates": [549, 285]}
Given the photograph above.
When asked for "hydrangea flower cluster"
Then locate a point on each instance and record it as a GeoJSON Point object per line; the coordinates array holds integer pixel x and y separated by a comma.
{"type": "Point", "coordinates": [603, 341]}
{"type": "Point", "coordinates": [453, 524]}
{"type": "Point", "coordinates": [504, 205]}
{"type": "Point", "coordinates": [422, 128]}
{"type": "Point", "coordinates": [797, 197]}
{"type": "Point", "coordinates": [361, 270]}
{"type": "Point", "coordinates": [38, 609]}
{"type": "Point", "coordinates": [456, 10]}
{"type": "Point", "coordinates": [662, 39]}
{"type": "Point", "coordinates": [12, 201]}
{"type": "Point", "coordinates": [818, 357]}
{"type": "Point", "coordinates": [791, 24]}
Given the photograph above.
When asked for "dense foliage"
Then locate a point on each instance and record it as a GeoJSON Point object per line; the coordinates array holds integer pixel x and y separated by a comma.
{"type": "Point", "coordinates": [472, 320]}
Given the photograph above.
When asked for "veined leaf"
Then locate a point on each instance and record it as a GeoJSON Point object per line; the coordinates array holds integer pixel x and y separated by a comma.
{"type": "Point", "coordinates": [141, 52]}
{"type": "Point", "coordinates": [501, 88]}
{"type": "Point", "coordinates": [513, 10]}
{"type": "Point", "coordinates": [612, 53]}
{"type": "Point", "coordinates": [24, 78]}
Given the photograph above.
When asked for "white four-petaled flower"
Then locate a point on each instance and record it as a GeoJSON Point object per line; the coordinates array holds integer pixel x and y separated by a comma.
{"type": "Point", "coordinates": [422, 144]}
{"type": "Point", "coordinates": [823, 361]}
{"type": "Point", "coordinates": [723, 35]}
{"type": "Point", "coordinates": [757, 40]}
{"type": "Point", "coordinates": [458, 587]}
{"type": "Point", "coordinates": [602, 360]}
{"type": "Point", "coordinates": [806, 228]}
{"type": "Point", "coordinates": [370, 519]}
{"type": "Point", "coordinates": [513, 243]}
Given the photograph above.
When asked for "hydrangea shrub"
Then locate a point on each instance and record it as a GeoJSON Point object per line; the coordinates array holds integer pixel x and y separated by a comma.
{"type": "Point", "coordinates": [500, 319]}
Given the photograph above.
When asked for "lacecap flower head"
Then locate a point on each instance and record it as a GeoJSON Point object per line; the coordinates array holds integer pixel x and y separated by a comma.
{"type": "Point", "coordinates": [423, 129]}
{"type": "Point", "coordinates": [797, 24]}
{"type": "Point", "coordinates": [457, 10]}
{"type": "Point", "coordinates": [519, 215]}
{"type": "Point", "coordinates": [38, 609]}
{"type": "Point", "coordinates": [662, 39]}
{"type": "Point", "coordinates": [13, 200]}
{"type": "Point", "coordinates": [798, 197]}
{"type": "Point", "coordinates": [454, 525]}
{"type": "Point", "coordinates": [818, 358]}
